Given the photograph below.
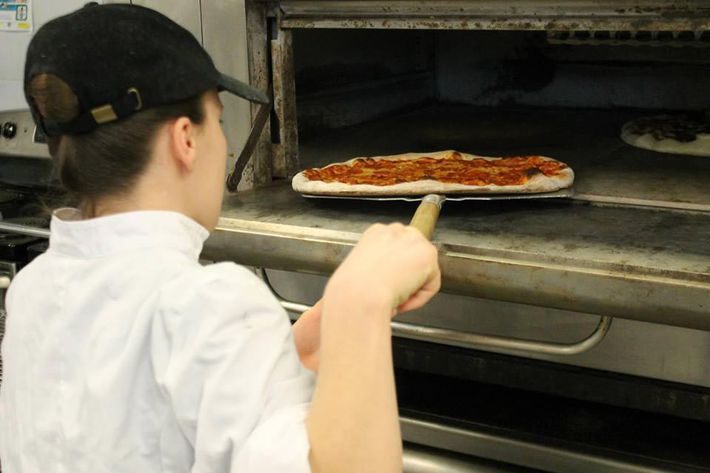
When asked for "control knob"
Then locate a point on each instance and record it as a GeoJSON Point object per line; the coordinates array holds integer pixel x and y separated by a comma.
{"type": "Point", "coordinates": [9, 130]}
{"type": "Point", "coordinates": [5, 281]}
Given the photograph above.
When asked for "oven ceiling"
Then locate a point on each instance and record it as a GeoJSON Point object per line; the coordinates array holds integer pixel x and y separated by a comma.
{"type": "Point", "coordinates": [693, 15]}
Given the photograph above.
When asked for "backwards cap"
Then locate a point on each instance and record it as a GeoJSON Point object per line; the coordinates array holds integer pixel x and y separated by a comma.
{"type": "Point", "coordinates": [119, 59]}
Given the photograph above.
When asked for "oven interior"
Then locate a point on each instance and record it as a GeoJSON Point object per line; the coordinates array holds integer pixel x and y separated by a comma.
{"type": "Point", "coordinates": [560, 94]}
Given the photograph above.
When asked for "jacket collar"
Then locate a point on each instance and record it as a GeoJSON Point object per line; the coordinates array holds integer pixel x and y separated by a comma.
{"type": "Point", "coordinates": [121, 232]}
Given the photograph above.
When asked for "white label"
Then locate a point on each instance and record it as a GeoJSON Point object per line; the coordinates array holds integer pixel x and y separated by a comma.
{"type": "Point", "coordinates": [16, 15]}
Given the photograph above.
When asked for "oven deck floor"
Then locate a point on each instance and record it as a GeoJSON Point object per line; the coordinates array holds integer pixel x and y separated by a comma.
{"type": "Point", "coordinates": [635, 263]}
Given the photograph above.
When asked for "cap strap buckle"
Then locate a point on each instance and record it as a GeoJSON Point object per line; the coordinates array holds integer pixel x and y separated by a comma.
{"type": "Point", "coordinates": [104, 114]}
{"type": "Point", "coordinates": [131, 102]}
{"type": "Point", "coordinates": [139, 100]}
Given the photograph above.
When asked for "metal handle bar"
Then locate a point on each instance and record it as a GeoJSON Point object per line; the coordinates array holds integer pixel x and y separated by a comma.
{"type": "Point", "coordinates": [422, 332]}
{"type": "Point", "coordinates": [468, 339]}
{"type": "Point", "coordinates": [24, 230]}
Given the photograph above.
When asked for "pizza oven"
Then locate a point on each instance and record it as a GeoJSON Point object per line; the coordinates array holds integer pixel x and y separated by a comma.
{"type": "Point", "coordinates": [573, 335]}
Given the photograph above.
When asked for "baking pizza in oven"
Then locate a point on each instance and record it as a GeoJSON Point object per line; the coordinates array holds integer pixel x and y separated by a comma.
{"type": "Point", "coordinates": [681, 134]}
{"type": "Point", "coordinates": [444, 172]}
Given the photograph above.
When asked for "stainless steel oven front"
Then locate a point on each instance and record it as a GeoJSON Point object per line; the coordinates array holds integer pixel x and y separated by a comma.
{"type": "Point", "coordinates": [571, 336]}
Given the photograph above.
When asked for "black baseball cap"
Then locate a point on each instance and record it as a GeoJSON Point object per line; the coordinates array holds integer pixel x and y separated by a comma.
{"type": "Point", "coordinates": [119, 59]}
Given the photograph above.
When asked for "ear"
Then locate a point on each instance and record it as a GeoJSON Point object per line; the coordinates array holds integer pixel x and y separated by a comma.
{"type": "Point", "coordinates": [183, 142]}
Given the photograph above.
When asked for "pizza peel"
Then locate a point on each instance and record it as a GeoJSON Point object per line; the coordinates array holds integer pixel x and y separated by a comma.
{"type": "Point", "coordinates": [427, 214]}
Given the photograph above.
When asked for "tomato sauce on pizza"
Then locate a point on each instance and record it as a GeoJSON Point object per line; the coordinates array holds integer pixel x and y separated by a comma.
{"type": "Point", "coordinates": [452, 168]}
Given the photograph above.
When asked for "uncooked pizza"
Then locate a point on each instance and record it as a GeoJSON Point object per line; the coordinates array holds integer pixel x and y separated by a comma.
{"type": "Point", "coordinates": [681, 134]}
{"type": "Point", "coordinates": [444, 172]}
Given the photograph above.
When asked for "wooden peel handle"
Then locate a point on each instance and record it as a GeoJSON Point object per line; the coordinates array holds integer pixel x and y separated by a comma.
{"type": "Point", "coordinates": [427, 214]}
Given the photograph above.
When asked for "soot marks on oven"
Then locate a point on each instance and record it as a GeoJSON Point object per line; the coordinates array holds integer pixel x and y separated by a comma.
{"type": "Point", "coordinates": [524, 69]}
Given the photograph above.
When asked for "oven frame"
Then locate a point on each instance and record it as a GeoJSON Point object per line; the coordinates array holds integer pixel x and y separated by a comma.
{"type": "Point", "coordinates": [270, 41]}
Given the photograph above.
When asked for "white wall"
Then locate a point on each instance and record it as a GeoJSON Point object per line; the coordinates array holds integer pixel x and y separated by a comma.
{"type": "Point", "coordinates": [14, 46]}
{"type": "Point", "coordinates": [221, 28]}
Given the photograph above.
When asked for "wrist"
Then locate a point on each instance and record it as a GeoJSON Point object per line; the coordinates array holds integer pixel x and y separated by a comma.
{"type": "Point", "coordinates": [346, 298]}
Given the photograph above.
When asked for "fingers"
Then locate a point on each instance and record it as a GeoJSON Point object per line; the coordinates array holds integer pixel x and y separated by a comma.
{"type": "Point", "coordinates": [393, 264]}
{"type": "Point", "coordinates": [380, 230]}
{"type": "Point", "coordinates": [311, 360]}
{"type": "Point", "coordinates": [418, 300]}
{"type": "Point", "coordinates": [426, 256]}
{"type": "Point", "coordinates": [424, 294]}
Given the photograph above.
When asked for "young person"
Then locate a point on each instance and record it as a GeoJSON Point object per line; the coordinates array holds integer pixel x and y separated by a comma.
{"type": "Point", "coordinates": [122, 352]}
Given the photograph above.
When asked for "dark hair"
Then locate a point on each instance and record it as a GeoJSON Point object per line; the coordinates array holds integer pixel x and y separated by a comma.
{"type": "Point", "coordinates": [108, 160]}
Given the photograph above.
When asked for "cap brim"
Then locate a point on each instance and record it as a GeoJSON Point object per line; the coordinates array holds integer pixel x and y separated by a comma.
{"type": "Point", "coordinates": [237, 87]}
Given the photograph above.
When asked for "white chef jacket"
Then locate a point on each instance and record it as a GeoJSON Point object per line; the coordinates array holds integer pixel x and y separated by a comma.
{"type": "Point", "coordinates": [123, 354]}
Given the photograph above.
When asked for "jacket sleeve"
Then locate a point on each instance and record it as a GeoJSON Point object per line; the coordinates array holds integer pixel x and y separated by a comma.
{"type": "Point", "coordinates": [224, 356]}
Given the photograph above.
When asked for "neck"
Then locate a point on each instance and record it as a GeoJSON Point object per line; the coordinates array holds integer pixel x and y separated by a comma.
{"type": "Point", "coordinates": [141, 197]}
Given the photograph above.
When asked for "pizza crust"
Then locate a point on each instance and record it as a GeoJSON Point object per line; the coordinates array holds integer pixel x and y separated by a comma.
{"type": "Point", "coordinates": [536, 184]}
{"type": "Point", "coordinates": [631, 135]}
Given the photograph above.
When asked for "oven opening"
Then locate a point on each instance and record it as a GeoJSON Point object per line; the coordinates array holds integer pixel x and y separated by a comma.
{"type": "Point", "coordinates": [433, 406]}
{"type": "Point", "coordinates": [498, 93]}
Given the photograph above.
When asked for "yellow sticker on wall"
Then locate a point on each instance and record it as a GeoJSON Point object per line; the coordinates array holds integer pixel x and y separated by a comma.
{"type": "Point", "coordinates": [16, 15]}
